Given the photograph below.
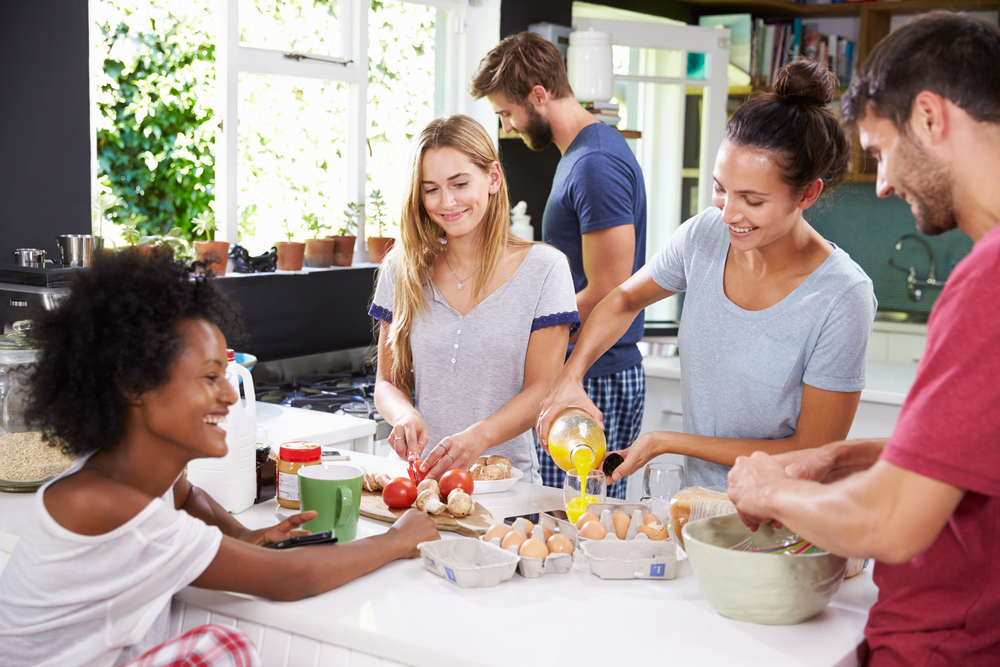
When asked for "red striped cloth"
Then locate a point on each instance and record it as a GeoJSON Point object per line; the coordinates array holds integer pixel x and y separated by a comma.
{"type": "Point", "coordinates": [204, 646]}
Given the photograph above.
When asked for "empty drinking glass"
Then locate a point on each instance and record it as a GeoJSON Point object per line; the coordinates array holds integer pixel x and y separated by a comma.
{"type": "Point", "coordinates": [660, 481]}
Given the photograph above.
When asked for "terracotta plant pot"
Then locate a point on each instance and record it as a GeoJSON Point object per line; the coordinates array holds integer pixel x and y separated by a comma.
{"type": "Point", "coordinates": [378, 246]}
{"type": "Point", "coordinates": [215, 254]}
{"type": "Point", "coordinates": [290, 255]}
{"type": "Point", "coordinates": [343, 252]}
{"type": "Point", "coordinates": [319, 253]}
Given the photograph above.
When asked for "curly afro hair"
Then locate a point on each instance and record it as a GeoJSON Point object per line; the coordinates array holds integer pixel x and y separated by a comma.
{"type": "Point", "coordinates": [115, 336]}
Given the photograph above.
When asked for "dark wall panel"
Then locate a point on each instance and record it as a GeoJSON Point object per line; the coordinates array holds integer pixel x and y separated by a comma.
{"type": "Point", "coordinates": [44, 124]}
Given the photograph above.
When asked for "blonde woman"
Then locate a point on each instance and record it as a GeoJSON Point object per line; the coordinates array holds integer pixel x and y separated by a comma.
{"type": "Point", "coordinates": [473, 321]}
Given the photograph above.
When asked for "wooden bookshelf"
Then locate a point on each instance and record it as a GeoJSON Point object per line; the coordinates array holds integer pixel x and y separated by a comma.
{"type": "Point", "coordinates": [874, 21]}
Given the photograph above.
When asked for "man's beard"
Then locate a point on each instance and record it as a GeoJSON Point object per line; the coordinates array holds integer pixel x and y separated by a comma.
{"type": "Point", "coordinates": [930, 183]}
{"type": "Point", "coordinates": [537, 134]}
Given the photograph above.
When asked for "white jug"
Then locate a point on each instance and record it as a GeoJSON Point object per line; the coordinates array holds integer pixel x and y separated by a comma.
{"type": "Point", "coordinates": [232, 479]}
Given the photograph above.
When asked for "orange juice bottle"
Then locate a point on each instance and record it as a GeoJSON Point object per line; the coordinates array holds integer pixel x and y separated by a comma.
{"type": "Point", "coordinates": [576, 442]}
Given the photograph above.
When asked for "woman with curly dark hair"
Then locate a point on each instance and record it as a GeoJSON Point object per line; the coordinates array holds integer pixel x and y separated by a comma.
{"type": "Point", "coordinates": [131, 380]}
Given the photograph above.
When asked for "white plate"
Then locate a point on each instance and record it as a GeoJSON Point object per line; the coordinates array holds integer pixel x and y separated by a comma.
{"type": "Point", "coordinates": [497, 485]}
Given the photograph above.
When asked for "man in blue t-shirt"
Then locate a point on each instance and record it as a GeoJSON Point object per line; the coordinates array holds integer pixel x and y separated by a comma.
{"type": "Point", "coordinates": [596, 213]}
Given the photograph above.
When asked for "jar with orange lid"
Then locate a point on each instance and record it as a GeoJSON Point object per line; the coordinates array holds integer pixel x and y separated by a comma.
{"type": "Point", "coordinates": [291, 457]}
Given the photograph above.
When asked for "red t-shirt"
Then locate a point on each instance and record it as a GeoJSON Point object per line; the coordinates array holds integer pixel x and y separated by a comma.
{"type": "Point", "coordinates": [943, 607]}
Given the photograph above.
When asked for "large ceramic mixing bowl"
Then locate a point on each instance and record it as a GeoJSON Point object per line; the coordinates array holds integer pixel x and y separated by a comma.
{"type": "Point", "coordinates": [772, 589]}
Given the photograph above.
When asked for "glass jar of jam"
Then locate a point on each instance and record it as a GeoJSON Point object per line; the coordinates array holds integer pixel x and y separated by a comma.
{"type": "Point", "coordinates": [291, 457]}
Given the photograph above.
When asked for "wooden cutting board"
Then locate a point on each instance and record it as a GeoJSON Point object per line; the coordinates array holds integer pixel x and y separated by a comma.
{"type": "Point", "coordinates": [473, 525]}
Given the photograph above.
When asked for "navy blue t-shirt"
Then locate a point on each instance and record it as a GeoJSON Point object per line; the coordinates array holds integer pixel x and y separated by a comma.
{"type": "Point", "coordinates": [598, 184]}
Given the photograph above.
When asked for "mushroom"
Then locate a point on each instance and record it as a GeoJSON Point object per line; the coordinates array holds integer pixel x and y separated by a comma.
{"type": "Point", "coordinates": [374, 481]}
{"type": "Point", "coordinates": [427, 501]}
{"type": "Point", "coordinates": [500, 461]}
{"type": "Point", "coordinates": [493, 473]}
{"type": "Point", "coordinates": [428, 484]}
{"type": "Point", "coordinates": [460, 503]}
{"type": "Point", "coordinates": [477, 471]}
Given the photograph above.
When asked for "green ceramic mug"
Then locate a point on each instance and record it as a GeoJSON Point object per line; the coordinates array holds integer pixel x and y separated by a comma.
{"type": "Point", "coordinates": [334, 491]}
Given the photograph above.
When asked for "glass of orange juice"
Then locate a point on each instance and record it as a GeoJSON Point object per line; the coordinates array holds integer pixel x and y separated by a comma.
{"type": "Point", "coordinates": [580, 492]}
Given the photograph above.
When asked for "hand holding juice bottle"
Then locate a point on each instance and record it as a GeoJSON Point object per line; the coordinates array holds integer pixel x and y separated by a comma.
{"type": "Point", "coordinates": [576, 443]}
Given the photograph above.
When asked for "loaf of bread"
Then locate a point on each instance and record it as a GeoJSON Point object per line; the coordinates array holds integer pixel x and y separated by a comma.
{"type": "Point", "coordinates": [695, 503]}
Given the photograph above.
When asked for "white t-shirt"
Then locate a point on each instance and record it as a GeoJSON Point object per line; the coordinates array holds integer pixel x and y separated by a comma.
{"type": "Point", "coordinates": [69, 599]}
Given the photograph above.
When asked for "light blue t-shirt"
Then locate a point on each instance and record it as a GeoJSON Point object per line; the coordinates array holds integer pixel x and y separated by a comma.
{"type": "Point", "coordinates": [742, 371]}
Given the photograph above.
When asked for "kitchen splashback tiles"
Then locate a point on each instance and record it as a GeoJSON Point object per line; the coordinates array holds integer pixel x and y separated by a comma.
{"type": "Point", "coordinates": [867, 228]}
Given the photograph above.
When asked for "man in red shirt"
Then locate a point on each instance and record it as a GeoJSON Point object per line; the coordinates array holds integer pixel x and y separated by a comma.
{"type": "Point", "coordinates": [925, 503]}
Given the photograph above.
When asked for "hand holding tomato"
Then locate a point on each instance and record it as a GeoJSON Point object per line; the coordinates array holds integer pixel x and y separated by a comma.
{"type": "Point", "coordinates": [399, 493]}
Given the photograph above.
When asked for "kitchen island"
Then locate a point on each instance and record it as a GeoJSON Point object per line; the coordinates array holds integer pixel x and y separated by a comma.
{"type": "Point", "coordinates": [405, 615]}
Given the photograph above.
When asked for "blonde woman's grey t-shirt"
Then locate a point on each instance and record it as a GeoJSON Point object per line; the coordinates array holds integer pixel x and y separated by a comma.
{"type": "Point", "coordinates": [742, 371]}
{"type": "Point", "coordinates": [467, 367]}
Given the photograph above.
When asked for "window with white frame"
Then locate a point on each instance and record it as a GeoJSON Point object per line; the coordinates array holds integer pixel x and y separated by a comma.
{"type": "Point", "coordinates": [314, 102]}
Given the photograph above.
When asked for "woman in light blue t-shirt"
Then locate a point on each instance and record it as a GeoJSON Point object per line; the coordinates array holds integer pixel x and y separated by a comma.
{"type": "Point", "coordinates": [774, 336]}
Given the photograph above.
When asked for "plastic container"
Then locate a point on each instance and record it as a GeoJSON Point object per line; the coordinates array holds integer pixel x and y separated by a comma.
{"type": "Point", "coordinates": [520, 222]}
{"type": "Point", "coordinates": [589, 65]}
{"type": "Point", "coordinates": [291, 457]}
{"type": "Point", "coordinates": [232, 479]}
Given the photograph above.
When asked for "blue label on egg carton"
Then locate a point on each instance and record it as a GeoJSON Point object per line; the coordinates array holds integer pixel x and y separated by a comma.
{"type": "Point", "coordinates": [658, 570]}
{"type": "Point", "coordinates": [450, 574]}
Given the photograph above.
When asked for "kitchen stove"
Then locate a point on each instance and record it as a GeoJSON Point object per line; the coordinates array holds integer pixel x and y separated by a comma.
{"type": "Point", "coordinates": [351, 394]}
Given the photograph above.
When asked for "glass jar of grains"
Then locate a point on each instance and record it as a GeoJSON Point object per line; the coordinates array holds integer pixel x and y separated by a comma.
{"type": "Point", "coordinates": [291, 457]}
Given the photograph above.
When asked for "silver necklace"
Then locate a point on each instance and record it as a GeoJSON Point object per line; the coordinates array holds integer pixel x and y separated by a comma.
{"type": "Point", "coordinates": [461, 283]}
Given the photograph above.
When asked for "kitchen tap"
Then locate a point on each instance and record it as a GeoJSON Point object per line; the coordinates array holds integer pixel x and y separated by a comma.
{"type": "Point", "coordinates": [914, 285]}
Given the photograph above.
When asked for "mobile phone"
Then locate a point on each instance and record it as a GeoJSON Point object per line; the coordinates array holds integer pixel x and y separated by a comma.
{"type": "Point", "coordinates": [533, 518]}
{"type": "Point", "coordinates": [334, 455]}
{"type": "Point", "coordinates": [303, 541]}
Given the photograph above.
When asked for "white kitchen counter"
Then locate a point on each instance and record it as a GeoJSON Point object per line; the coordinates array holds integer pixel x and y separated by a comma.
{"type": "Point", "coordinates": [885, 382]}
{"type": "Point", "coordinates": [405, 615]}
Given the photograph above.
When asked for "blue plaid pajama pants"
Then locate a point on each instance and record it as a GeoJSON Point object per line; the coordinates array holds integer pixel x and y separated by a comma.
{"type": "Point", "coordinates": [621, 398]}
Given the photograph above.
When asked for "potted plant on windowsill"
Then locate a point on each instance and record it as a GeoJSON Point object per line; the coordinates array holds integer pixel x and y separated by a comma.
{"type": "Point", "coordinates": [379, 245]}
{"type": "Point", "coordinates": [213, 253]}
{"type": "Point", "coordinates": [171, 242]}
{"type": "Point", "coordinates": [291, 253]}
{"type": "Point", "coordinates": [343, 252]}
{"type": "Point", "coordinates": [318, 251]}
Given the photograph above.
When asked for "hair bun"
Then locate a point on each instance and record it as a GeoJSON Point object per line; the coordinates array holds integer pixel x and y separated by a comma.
{"type": "Point", "coordinates": [805, 81]}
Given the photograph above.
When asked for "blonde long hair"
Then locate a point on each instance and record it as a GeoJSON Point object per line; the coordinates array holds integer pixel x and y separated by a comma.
{"type": "Point", "coordinates": [420, 236]}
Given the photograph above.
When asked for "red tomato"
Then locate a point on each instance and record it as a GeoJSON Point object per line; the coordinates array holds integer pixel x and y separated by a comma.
{"type": "Point", "coordinates": [399, 493]}
{"type": "Point", "coordinates": [416, 467]}
{"type": "Point", "coordinates": [455, 479]}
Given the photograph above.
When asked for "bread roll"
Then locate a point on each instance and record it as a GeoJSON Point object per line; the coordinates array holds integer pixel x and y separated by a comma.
{"type": "Point", "coordinates": [694, 503]}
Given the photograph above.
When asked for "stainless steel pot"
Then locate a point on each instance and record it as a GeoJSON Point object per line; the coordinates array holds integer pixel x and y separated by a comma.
{"type": "Point", "coordinates": [78, 250]}
{"type": "Point", "coordinates": [32, 257]}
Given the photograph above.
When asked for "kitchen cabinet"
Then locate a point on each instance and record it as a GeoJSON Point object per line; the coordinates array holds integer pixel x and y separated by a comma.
{"type": "Point", "coordinates": [886, 386]}
{"type": "Point", "coordinates": [897, 342]}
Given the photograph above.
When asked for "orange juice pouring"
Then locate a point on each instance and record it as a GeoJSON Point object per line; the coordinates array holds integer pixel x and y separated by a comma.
{"type": "Point", "coordinates": [577, 443]}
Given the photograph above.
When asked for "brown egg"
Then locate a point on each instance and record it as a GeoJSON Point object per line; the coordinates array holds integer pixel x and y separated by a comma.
{"type": "Point", "coordinates": [527, 526]}
{"type": "Point", "coordinates": [648, 519]}
{"type": "Point", "coordinates": [621, 521]}
{"type": "Point", "coordinates": [585, 517]}
{"type": "Point", "coordinates": [655, 531]}
{"type": "Point", "coordinates": [546, 534]}
{"type": "Point", "coordinates": [559, 544]}
{"type": "Point", "coordinates": [514, 537]}
{"type": "Point", "coordinates": [533, 548]}
{"type": "Point", "coordinates": [497, 530]}
{"type": "Point", "coordinates": [593, 530]}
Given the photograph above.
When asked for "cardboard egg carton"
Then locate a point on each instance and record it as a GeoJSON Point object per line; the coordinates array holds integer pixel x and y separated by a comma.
{"type": "Point", "coordinates": [532, 568]}
{"type": "Point", "coordinates": [468, 562]}
{"type": "Point", "coordinates": [635, 557]}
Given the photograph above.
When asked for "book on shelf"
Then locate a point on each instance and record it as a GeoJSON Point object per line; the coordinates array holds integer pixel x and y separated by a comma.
{"type": "Point", "coordinates": [601, 106]}
{"type": "Point", "coordinates": [774, 45]}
